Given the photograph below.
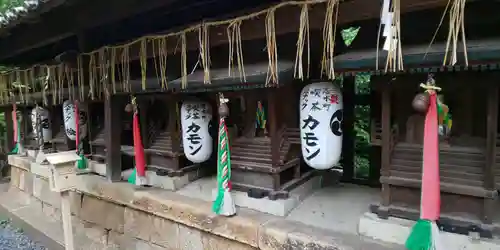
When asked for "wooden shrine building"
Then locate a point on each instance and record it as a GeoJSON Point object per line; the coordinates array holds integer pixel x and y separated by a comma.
{"type": "Point", "coordinates": [103, 54]}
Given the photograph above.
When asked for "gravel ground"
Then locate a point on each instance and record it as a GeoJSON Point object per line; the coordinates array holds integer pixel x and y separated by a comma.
{"type": "Point", "coordinates": [12, 238]}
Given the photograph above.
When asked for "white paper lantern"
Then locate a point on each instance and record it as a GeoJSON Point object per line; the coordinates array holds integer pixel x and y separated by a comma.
{"type": "Point", "coordinates": [69, 120]}
{"type": "Point", "coordinates": [45, 123]}
{"type": "Point", "coordinates": [196, 117]}
{"type": "Point", "coordinates": [321, 115]}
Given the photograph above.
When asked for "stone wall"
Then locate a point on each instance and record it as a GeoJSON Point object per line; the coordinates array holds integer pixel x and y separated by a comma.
{"type": "Point", "coordinates": [121, 216]}
{"type": "Point", "coordinates": [115, 226]}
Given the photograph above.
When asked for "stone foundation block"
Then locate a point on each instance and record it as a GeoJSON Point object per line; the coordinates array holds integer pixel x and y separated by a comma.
{"type": "Point", "coordinates": [15, 175]}
{"type": "Point", "coordinates": [123, 241]}
{"type": "Point", "coordinates": [214, 242]}
{"type": "Point", "coordinates": [103, 213]}
{"type": "Point", "coordinates": [41, 190]}
{"type": "Point", "coordinates": [26, 182]}
{"type": "Point", "coordinates": [51, 212]}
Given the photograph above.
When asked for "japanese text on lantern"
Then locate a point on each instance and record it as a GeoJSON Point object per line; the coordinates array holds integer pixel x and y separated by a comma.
{"type": "Point", "coordinates": [312, 147]}
{"type": "Point", "coordinates": [196, 111]}
{"type": "Point", "coordinates": [327, 98]}
{"type": "Point", "coordinates": [194, 138]}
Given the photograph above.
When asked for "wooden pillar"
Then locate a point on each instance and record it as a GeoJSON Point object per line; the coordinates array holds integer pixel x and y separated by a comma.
{"type": "Point", "coordinates": [173, 123]}
{"type": "Point", "coordinates": [273, 121]}
{"type": "Point", "coordinates": [9, 144]}
{"type": "Point", "coordinates": [249, 116]}
{"type": "Point", "coordinates": [113, 129]}
{"type": "Point", "coordinates": [25, 124]}
{"type": "Point", "coordinates": [386, 147]}
{"type": "Point", "coordinates": [491, 137]}
{"type": "Point", "coordinates": [348, 95]}
{"type": "Point", "coordinates": [143, 120]}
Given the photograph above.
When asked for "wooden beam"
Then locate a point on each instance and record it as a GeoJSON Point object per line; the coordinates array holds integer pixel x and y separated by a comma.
{"type": "Point", "coordinates": [112, 126]}
{"type": "Point", "coordinates": [111, 11]}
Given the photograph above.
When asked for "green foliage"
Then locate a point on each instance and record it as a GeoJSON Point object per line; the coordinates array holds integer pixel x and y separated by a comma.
{"type": "Point", "coordinates": [362, 128]}
{"type": "Point", "coordinates": [6, 5]}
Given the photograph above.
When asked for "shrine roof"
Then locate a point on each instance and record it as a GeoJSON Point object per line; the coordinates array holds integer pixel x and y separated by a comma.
{"type": "Point", "coordinates": [21, 11]}
{"type": "Point", "coordinates": [479, 52]}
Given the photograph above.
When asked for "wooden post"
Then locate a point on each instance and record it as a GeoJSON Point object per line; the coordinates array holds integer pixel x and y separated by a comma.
{"type": "Point", "coordinates": [112, 126]}
{"type": "Point", "coordinates": [491, 138]}
{"type": "Point", "coordinates": [386, 147]}
{"type": "Point", "coordinates": [348, 93]}
{"type": "Point", "coordinates": [249, 116]}
{"type": "Point", "coordinates": [143, 117]}
{"type": "Point", "coordinates": [25, 122]}
{"type": "Point", "coordinates": [273, 121]}
{"type": "Point", "coordinates": [9, 129]}
{"type": "Point", "coordinates": [173, 122]}
{"type": "Point", "coordinates": [66, 219]}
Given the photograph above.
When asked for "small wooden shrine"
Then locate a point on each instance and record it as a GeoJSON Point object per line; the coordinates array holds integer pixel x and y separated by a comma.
{"type": "Point", "coordinates": [265, 152]}
{"type": "Point", "coordinates": [467, 155]}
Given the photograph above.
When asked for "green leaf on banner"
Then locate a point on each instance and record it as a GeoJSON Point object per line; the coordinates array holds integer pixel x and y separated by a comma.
{"type": "Point", "coordinates": [349, 34]}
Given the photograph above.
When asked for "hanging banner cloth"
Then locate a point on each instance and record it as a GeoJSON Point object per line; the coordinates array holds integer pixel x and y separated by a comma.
{"type": "Point", "coordinates": [140, 162]}
{"type": "Point", "coordinates": [17, 130]}
{"type": "Point", "coordinates": [425, 233]}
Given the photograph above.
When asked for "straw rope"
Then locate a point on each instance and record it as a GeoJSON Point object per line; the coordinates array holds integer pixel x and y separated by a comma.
{"type": "Point", "coordinates": [204, 52]}
{"type": "Point", "coordinates": [394, 60]}
{"type": "Point", "coordinates": [120, 54]}
{"type": "Point", "coordinates": [456, 31]}
{"type": "Point", "coordinates": [272, 50]}
{"type": "Point", "coordinates": [235, 47]}
{"type": "Point", "coordinates": [329, 33]}
{"type": "Point", "coordinates": [303, 38]}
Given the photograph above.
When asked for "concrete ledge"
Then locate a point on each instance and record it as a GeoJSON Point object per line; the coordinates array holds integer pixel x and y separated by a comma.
{"type": "Point", "coordinates": [396, 231]}
{"type": "Point", "coordinates": [157, 218]}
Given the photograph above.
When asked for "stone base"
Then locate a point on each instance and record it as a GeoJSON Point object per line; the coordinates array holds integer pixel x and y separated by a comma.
{"type": "Point", "coordinates": [96, 167]}
{"type": "Point", "coordinates": [396, 231]}
{"type": "Point", "coordinates": [279, 207]}
{"type": "Point", "coordinates": [42, 170]}
{"type": "Point", "coordinates": [166, 182]}
{"type": "Point", "coordinates": [116, 215]}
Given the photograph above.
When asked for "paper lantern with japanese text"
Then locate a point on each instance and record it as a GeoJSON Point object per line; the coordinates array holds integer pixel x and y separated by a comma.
{"type": "Point", "coordinates": [69, 120]}
{"type": "Point", "coordinates": [44, 116]}
{"type": "Point", "coordinates": [321, 115]}
{"type": "Point", "coordinates": [196, 118]}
